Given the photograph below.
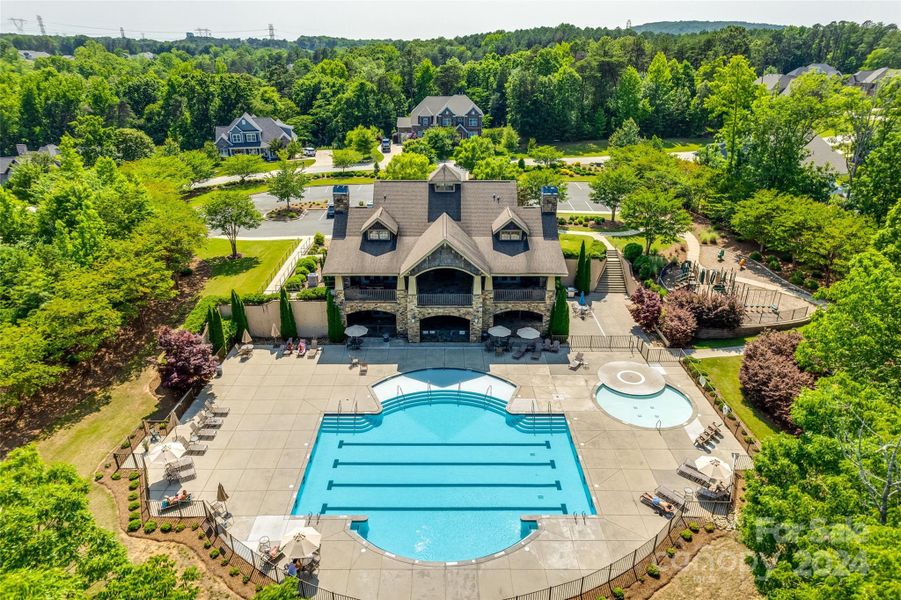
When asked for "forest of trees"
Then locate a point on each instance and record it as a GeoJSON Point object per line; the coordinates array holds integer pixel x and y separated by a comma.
{"type": "Point", "coordinates": [561, 83]}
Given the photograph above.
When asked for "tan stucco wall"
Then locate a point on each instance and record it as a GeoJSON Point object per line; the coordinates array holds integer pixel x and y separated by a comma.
{"type": "Point", "coordinates": [597, 269]}
{"type": "Point", "coordinates": [310, 316]}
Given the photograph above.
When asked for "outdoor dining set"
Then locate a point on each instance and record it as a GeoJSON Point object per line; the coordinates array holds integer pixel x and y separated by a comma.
{"type": "Point", "coordinates": [499, 341]}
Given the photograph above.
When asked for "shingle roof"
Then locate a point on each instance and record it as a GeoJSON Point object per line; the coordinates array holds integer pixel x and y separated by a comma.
{"type": "Point", "coordinates": [380, 216]}
{"type": "Point", "coordinates": [447, 174]}
{"type": "Point", "coordinates": [470, 213]}
{"type": "Point", "coordinates": [821, 67]}
{"type": "Point", "coordinates": [508, 216]}
{"type": "Point", "coordinates": [269, 128]}
{"type": "Point", "coordinates": [459, 104]}
{"type": "Point", "coordinates": [822, 154]}
{"type": "Point", "coordinates": [444, 230]}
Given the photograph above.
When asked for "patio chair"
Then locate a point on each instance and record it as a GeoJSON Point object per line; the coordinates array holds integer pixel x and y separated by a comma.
{"type": "Point", "coordinates": [245, 350]}
{"type": "Point", "coordinates": [577, 362]}
{"type": "Point", "coordinates": [215, 409]}
{"type": "Point", "coordinates": [289, 347]}
{"type": "Point", "coordinates": [536, 352]}
{"type": "Point", "coordinates": [175, 501]}
{"type": "Point", "coordinates": [660, 505]}
{"type": "Point", "coordinates": [314, 348]}
{"type": "Point", "coordinates": [205, 419]}
{"type": "Point", "coordinates": [354, 362]}
{"type": "Point", "coordinates": [671, 496]}
{"type": "Point", "coordinates": [519, 352]}
{"type": "Point", "coordinates": [301, 348]}
{"type": "Point", "coordinates": [499, 350]}
{"type": "Point", "coordinates": [489, 345]}
{"type": "Point", "coordinates": [364, 368]}
{"type": "Point", "coordinates": [688, 471]}
{"type": "Point", "coordinates": [192, 446]}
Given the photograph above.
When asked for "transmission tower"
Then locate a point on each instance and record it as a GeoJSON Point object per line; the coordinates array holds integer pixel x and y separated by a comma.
{"type": "Point", "coordinates": [41, 25]}
{"type": "Point", "coordinates": [122, 32]}
{"type": "Point", "coordinates": [203, 32]}
{"type": "Point", "coordinates": [271, 32]}
{"type": "Point", "coordinates": [19, 24]}
{"type": "Point", "coordinates": [628, 23]}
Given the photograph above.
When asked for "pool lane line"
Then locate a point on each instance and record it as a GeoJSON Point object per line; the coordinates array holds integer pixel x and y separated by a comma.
{"type": "Point", "coordinates": [362, 510]}
{"type": "Point", "coordinates": [339, 463]}
{"type": "Point", "coordinates": [555, 485]}
{"type": "Point", "coordinates": [544, 444]}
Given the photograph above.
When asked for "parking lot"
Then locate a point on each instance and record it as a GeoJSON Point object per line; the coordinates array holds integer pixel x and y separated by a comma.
{"type": "Point", "coordinates": [579, 199]}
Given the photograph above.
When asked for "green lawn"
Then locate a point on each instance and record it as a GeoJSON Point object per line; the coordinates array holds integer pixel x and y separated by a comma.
{"type": "Point", "coordinates": [250, 188]}
{"type": "Point", "coordinates": [723, 374]}
{"type": "Point", "coordinates": [599, 147]}
{"type": "Point", "coordinates": [340, 181]}
{"type": "Point", "coordinates": [248, 274]}
{"type": "Point", "coordinates": [572, 242]}
{"type": "Point", "coordinates": [272, 166]}
{"type": "Point", "coordinates": [620, 242]}
{"type": "Point", "coordinates": [724, 343]}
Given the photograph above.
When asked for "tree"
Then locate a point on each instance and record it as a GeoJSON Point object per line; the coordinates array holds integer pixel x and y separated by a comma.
{"type": "Point", "coordinates": [242, 165]}
{"type": "Point", "coordinates": [646, 307]}
{"type": "Point", "coordinates": [23, 370]}
{"type": "Point", "coordinates": [201, 165]}
{"type": "Point", "coordinates": [530, 183]}
{"type": "Point", "coordinates": [449, 78]}
{"type": "Point", "coordinates": [186, 360]}
{"type": "Point", "coordinates": [92, 138]}
{"type": "Point", "coordinates": [214, 329]}
{"type": "Point", "coordinates": [424, 80]}
{"type": "Point", "coordinates": [408, 166]}
{"type": "Point", "coordinates": [505, 139]}
{"type": "Point", "coordinates": [677, 325]}
{"type": "Point", "coordinates": [346, 158]}
{"type": "Point", "coordinates": [755, 218]}
{"type": "Point", "coordinates": [442, 141]}
{"type": "Point", "coordinates": [559, 321]}
{"type": "Point", "coordinates": [878, 187]}
{"type": "Point", "coordinates": [545, 155]}
{"type": "Point", "coordinates": [132, 144]}
{"type": "Point", "coordinates": [362, 139]}
{"type": "Point", "coordinates": [287, 182]}
{"type": "Point", "coordinates": [495, 168]}
{"type": "Point", "coordinates": [715, 311]}
{"type": "Point", "coordinates": [333, 313]}
{"type": "Point", "coordinates": [287, 325]}
{"type": "Point", "coordinates": [626, 135]}
{"type": "Point", "coordinates": [420, 146]}
{"type": "Point", "coordinates": [239, 316]}
{"type": "Point", "coordinates": [626, 103]}
{"type": "Point", "coordinates": [611, 186]}
{"type": "Point", "coordinates": [229, 212]}
{"type": "Point", "coordinates": [731, 96]}
{"type": "Point", "coordinates": [583, 271]}
{"type": "Point", "coordinates": [473, 150]}
{"type": "Point", "coordinates": [658, 215]}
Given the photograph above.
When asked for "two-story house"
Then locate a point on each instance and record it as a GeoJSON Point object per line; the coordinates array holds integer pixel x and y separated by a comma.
{"type": "Point", "coordinates": [457, 111]}
{"type": "Point", "coordinates": [249, 134]}
{"type": "Point", "coordinates": [444, 259]}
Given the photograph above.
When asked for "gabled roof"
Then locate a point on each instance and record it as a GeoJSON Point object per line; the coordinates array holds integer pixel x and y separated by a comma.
{"type": "Point", "coordinates": [821, 67]}
{"type": "Point", "coordinates": [269, 128]}
{"type": "Point", "coordinates": [444, 230]}
{"type": "Point", "coordinates": [447, 173]}
{"type": "Point", "coordinates": [822, 154]}
{"type": "Point", "coordinates": [380, 216]}
{"type": "Point", "coordinates": [508, 216]}
{"type": "Point", "coordinates": [459, 104]}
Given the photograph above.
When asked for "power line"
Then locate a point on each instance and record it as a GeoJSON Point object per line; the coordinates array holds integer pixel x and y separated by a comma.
{"type": "Point", "coordinates": [19, 24]}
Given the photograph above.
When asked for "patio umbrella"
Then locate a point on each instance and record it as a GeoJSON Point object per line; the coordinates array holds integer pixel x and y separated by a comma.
{"type": "Point", "coordinates": [499, 331]}
{"type": "Point", "coordinates": [301, 543]}
{"type": "Point", "coordinates": [183, 432]}
{"type": "Point", "coordinates": [164, 453]}
{"type": "Point", "coordinates": [222, 496]}
{"type": "Point", "coordinates": [714, 468]}
{"type": "Point", "coordinates": [356, 331]}
{"type": "Point", "coordinates": [581, 298]}
{"type": "Point", "coordinates": [528, 333]}
{"type": "Point", "coordinates": [246, 339]}
{"type": "Point", "coordinates": [274, 332]}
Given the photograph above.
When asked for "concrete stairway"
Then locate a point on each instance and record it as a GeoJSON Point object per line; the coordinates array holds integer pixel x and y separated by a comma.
{"type": "Point", "coordinates": [612, 281]}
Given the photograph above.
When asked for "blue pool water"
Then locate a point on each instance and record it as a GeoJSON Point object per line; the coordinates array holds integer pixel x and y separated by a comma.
{"type": "Point", "coordinates": [668, 407]}
{"type": "Point", "coordinates": [444, 475]}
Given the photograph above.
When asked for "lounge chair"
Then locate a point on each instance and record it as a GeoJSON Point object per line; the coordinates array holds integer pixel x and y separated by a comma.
{"type": "Point", "coordinates": [171, 502]}
{"type": "Point", "coordinates": [577, 362]}
{"type": "Point", "coordinates": [301, 348]}
{"type": "Point", "coordinates": [205, 418]}
{"type": "Point", "coordinates": [215, 409]}
{"type": "Point", "coordinates": [354, 362]}
{"type": "Point", "coordinates": [364, 368]}
{"type": "Point", "coordinates": [519, 352]}
{"type": "Point", "coordinates": [671, 496]}
{"type": "Point", "coordinates": [536, 352]}
{"type": "Point", "coordinates": [489, 345]}
{"type": "Point", "coordinates": [314, 348]}
{"type": "Point", "coordinates": [245, 350]}
{"type": "Point", "coordinates": [660, 505]}
{"type": "Point", "coordinates": [289, 347]}
{"type": "Point", "coordinates": [689, 472]}
{"type": "Point", "coordinates": [555, 346]}
{"type": "Point", "coordinates": [191, 446]}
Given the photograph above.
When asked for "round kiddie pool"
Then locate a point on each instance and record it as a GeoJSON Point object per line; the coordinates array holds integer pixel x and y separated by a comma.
{"type": "Point", "coordinates": [444, 473]}
{"type": "Point", "coordinates": [638, 395]}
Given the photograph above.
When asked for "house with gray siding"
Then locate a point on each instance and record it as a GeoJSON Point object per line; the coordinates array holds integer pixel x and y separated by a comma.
{"type": "Point", "coordinates": [249, 134]}
{"type": "Point", "coordinates": [456, 111]}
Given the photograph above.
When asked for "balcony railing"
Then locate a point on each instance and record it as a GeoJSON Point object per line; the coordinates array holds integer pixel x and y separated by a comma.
{"type": "Point", "coordinates": [370, 295]}
{"type": "Point", "coordinates": [444, 299]}
{"type": "Point", "coordinates": [523, 295]}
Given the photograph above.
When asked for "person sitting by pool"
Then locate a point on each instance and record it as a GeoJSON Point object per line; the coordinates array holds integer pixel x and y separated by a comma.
{"type": "Point", "coordinates": [658, 503]}
{"type": "Point", "coordinates": [291, 568]}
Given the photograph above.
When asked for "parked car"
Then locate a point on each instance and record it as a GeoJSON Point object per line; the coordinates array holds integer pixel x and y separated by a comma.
{"type": "Point", "coordinates": [386, 146]}
{"type": "Point", "coordinates": [330, 210]}
{"type": "Point", "coordinates": [309, 151]}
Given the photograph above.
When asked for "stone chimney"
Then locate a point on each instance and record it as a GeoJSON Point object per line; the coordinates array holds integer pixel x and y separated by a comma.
{"type": "Point", "coordinates": [549, 197]}
{"type": "Point", "coordinates": [341, 198]}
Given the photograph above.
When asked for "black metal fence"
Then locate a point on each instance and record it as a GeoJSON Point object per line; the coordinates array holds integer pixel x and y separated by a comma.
{"type": "Point", "coordinates": [612, 343]}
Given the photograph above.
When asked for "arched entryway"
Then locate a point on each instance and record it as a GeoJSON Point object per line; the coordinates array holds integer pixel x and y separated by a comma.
{"type": "Point", "coordinates": [515, 319]}
{"type": "Point", "coordinates": [444, 328]}
{"type": "Point", "coordinates": [379, 322]}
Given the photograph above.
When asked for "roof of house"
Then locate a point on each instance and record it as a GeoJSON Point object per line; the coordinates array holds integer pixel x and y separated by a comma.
{"type": "Point", "coordinates": [6, 162]}
{"type": "Point", "coordinates": [822, 154]}
{"type": "Point", "coordinates": [506, 217]}
{"type": "Point", "coordinates": [269, 128]}
{"type": "Point", "coordinates": [447, 173]}
{"type": "Point", "coordinates": [380, 216]}
{"type": "Point", "coordinates": [426, 219]}
{"type": "Point", "coordinates": [32, 54]}
{"type": "Point", "coordinates": [459, 104]}
{"type": "Point", "coordinates": [821, 67]}
{"type": "Point", "coordinates": [874, 75]}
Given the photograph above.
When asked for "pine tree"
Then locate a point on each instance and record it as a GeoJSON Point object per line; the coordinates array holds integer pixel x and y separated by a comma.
{"type": "Point", "coordinates": [217, 334]}
{"type": "Point", "coordinates": [583, 271]}
{"type": "Point", "coordinates": [239, 317]}
{"type": "Point", "coordinates": [288, 327]}
{"type": "Point", "coordinates": [559, 322]}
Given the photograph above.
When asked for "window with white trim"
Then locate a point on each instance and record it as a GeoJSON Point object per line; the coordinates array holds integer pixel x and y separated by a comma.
{"type": "Point", "coordinates": [423, 120]}
{"type": "Point", "coordinates": [237, 138]}
{"type": "Point", "coordinates": [473, 121]}
{"type": "Point", "coordinates": [445, 187]}
{"type": "Point", "coordinates": [446, 121]}
{"type": "Point", "coordinates": [509, 235]}
{"type": "Point", "coordinates": [250, 137]}
{"type": "Point", "coordinates": [379, 234]}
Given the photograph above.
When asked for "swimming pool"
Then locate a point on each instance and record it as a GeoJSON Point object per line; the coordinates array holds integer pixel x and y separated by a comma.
{"type": "Point", "coordinates": [443, 473]}
{"type": "Point", "coordinates": [666, 408]}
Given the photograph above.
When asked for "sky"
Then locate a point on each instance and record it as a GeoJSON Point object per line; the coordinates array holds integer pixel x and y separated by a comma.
{"type": "Point", "coordinates": [168, 20]}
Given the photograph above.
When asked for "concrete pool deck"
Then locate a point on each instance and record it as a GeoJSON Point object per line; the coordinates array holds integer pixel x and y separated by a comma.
{"type": "Point", "coordinates": [276, 403]}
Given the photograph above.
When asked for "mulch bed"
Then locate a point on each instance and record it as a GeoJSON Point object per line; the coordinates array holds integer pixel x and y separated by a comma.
{"type": "Point", "coordinates": [78, 391]}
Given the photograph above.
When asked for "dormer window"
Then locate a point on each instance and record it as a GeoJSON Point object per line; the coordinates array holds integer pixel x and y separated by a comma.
{"type": "Point", "coordinates": [445, 187]}
{"type": "Point", "coordinates": [378, 234]}
{"type": "Point", "coordinates": [251, 137]}
{"type": "Point", "coordinates": [237, 138]}
{"type": "Point", "coordinates": [510, 235]}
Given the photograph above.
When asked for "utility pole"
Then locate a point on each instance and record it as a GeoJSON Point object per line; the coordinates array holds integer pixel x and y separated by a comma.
{"type": "Point", "coordinates": [122, 32]}
{"type": "Point", "coordinates": [41, 25]}
{"type": "Point", "coordinates": [271, 33]}
{"type": "Point", "coordinates": [19, 24]}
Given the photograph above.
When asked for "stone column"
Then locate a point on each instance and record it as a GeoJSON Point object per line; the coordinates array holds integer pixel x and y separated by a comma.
{"type": "Point", "coordinates": [401, 312]}
{"type": "Point", "coordinates": [550, 293]}
{"type": "Point", "coordinates": [488, 303]}
{"type": "Point", "coordinates": [412, 312]}
{"type": "Point", "coordinates": [475, 323]}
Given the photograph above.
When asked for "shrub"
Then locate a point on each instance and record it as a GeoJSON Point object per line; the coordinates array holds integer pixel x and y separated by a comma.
{"type": "Point", "coordinates": [719, 311]}
{"type": "Point", "coordinates": [645, 308]}
{"type": "Point", "coordinates": [694, 527]}
{"type": "Point", "coordinates": [133, 496]}
{"type": "Point", "coordinates": [310, 263]}
{"type": "Point", "coordinates": [811, 284]}
{"type": "Point", "coordinates": [631, 251]}
{"type": "Point", "coordinates": [116, 476]}
{"type": "Point", "coordinates": [214, 553]}
{"type": "Point", "coordinates": [98, 476]}
{"type": "Point", "coordinates": [223, 562]}
{"type": "Point", "coordinates": [296, 282]}
{"type": "Point", "coordinates": [678, 326]}
{"type": "Point", "coordinates": [134, 515]}
{"type": "Point", "coordinates": [134, 505]}
{"type": "Point", "coordinates": [709, 527]}
{"type": "Point", "coordinates": [653, 570]}
{"type": "Point", "coordinates": [671, 551]}
{"type": "Point", "coordinates": [774, 264]}
{"type": "Point", "coordinates": [195, 526]}
{"type": "Point", "coordinates": [134, 475]}
{"type": "Point", "coordinates": [187, 361]}
{"type": "Point", "coordinates": [234, 571]}
{"type": "Point", "coordinates": [709, 236]}
{"type": "Point", "coordinates": [770, 376]}
{"type": "Point", "coordinates": [207, 545]}
{"type": "Point", "coordinates": [134, 485]}
{"type": "Point", "coordinates": [134, 525]}
{"type": "Point", "coordinates": [245, 579]}
{"type": "Point", "coordinates": [619, 593]}
{"type": "Point", "coordinates": [179, 528]}
{"type": "Point", "coordinates": [149, 526]}
{"type": "Point", "coordinates": [756, 256]}
{"type": "Point", "coordinates": [318, 239]}
{"type": "Point", "coordinates": [797, 278]}
{"type": "Point", "coordinates": [686, 535]}
{"type": "Point", "coordinates": [166, 527]}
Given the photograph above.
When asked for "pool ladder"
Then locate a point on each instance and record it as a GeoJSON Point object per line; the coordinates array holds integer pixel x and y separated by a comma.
{"type": "Point", "coordinates": [487, 395]}
{"type": "Point", "coordinates": [658, 425]}
{"type": "Point", "coordinates": [403, 397]}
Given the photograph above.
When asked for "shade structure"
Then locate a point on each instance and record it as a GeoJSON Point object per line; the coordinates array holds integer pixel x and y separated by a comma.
{"type": "Point", "coordinates": [183, 432]}
{"type": "Point", "coordinates": [221, 495]}
{"type": "Point", "coordinates": [164, 453]}
{"type": "Point", "coordinates": [301, 543]}
{"type": "Point", "coordinates": [528, 333]}
{"type": "Point", "coordinates": [499, 331]}
{"type": "Point", "coordinates": [356, 331]}
{"type": "Point", "coordinates": [714, 467]}
{"type": "Point", "coordinates": [246, 339]}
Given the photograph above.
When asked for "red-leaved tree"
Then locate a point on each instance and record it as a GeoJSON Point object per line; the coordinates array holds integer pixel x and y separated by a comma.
{"type": "Point", "coordinates": [187, 361]}
{"type": "Point", "coordinates": [678, 326]}
{"type": "Point", "coordinates": [717, 311]}
{"type": "Point", "coordinates": [771, 378]}
{"type": "Point", "coordinates": [645, 308]}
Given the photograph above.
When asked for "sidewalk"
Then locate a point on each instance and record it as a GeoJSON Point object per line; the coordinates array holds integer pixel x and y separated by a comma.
{"type": "Point", "coordinates": [287, 269]}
